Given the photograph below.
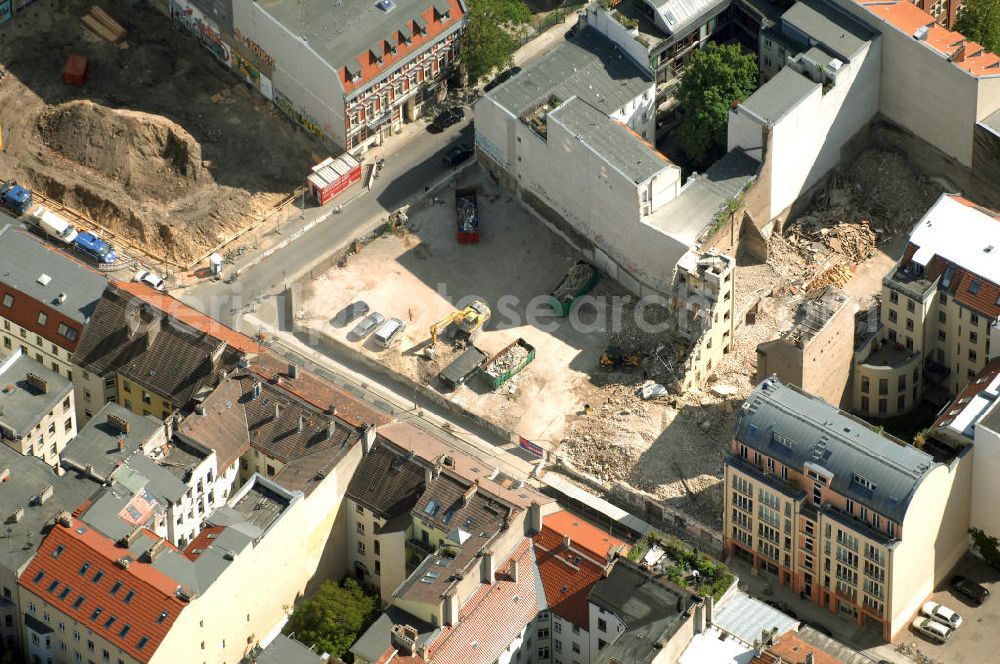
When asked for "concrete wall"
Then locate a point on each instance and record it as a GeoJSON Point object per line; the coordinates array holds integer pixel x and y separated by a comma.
{"type": "Point", "coordinates": [985, 488]}
{"type": "Point", "coordinates": [601, 20]}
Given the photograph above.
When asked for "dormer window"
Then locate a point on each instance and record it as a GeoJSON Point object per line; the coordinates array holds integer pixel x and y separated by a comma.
{"type": "Point", "coordinates": [419, 27]}
{"type": "Point", "coordinates": [442, 10]}
{"type": "Point", "coordinates": [353, 72]}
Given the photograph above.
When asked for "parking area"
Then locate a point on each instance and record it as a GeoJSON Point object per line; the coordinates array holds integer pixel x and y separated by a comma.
{"type": "Point", "coordinates": [422, 274]}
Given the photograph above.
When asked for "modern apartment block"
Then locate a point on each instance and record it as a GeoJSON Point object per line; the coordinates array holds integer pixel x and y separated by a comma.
{"type": "Point", "coordinates": [46, 299]}
{"type": "Point", "coordinates": [37, 414]}
{"type": "Point", "coordinates": [859, 523]}
{"type": "Point", "coordinates": [940, 317]}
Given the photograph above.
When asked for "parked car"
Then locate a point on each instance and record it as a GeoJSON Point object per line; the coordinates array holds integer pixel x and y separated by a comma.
{"type": "Point", "coordinates": [942, 614]}
{"type": "Point", "coordinates": [972, 590]}
{"type": "Point", "coordinates": [369, 323]}
{"type": "Point", "coordinates": [932, 629]}
{"type": "Point", "coordinates": [389, 332]}
{"type": "Point", "coordinates": [150, 279]}
{"type": "Point", "coordinates": [447, 118]}
{"type": "Point", "coordinates": [503, 77]}
{"type": "Point", "coordinates": [351, 312]}
{"type": "Point", "coordinates": [457, 155]}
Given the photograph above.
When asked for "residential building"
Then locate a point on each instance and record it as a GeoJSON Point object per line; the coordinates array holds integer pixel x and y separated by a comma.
{"type": "Point", "coordinates": [350, 73]}
{"type": "Point", "coordinates": [859, 523]}
{"type": "Point", "coordinates": [790, 649]}
{"type": "Point", "coordinates": [157, 355]}
{"type": "Point", "coordinates": [635, 617]}
{"type": "Point", "coordinates": [37, 414]}
{"type": "Point", "coordinates": [736, 629]}
{"type": "Point", "coordinates": [940, 316]}
{"type": "Point", "coordinates": [816, 353]}
{"type": "Point", "coordinates": [46, 299]}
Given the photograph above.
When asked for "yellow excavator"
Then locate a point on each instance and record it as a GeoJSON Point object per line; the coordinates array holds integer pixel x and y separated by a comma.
{"type": "Point", "coordinates": [466, 323]}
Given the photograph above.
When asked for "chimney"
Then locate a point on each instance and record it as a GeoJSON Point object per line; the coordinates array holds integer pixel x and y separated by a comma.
{"type": "Point", "coordinates": [119, 423]}
{"type": "Point", "coordinates": [152, 331]}
{"type": "Point", "coordinates": [469, 493]}
{"type": "Point", "coordinates": [513, 570]}
{"type": "Point", "coordinates": [199, 409]}
{"type": "Point", "coordinates": [293, 370]}
{"type": "Point", "coordinates": [154, 550]}
{"type": "Point", "coordinates": [535, 517]}
{"type": "Point", "coordinates": [45, 494]}
{"type": "Point", "coordinates": [37, 382]}
{"type": "Point", "coordinates": [428, 475]}
{"type": "Point", "coordinates": [18, 514]}
{"type": "Point", "coordinates": [65, 519]}
{"type": "Point", "coordinates": [487, 568]}
{"type": "Point", "coordinates": [216, 355]}
{"type": "Point", "coordinates": [60, 298]}
{"type": "Point", "coordinates": [277, 412]}
{"type": "Point", "coordinates": [437, 471]}
{"type": "Point", "coordinates": [404, 639]}
{"type": "Point", "coordinates": [331, 410]}
{"type": "Point", "coordinates": [257, 387]}
{"type": "Point", "coordinates": [451, 609]}
{"type": "Point", "coordinates": [709, 610]}
{"type": "Point", "coordinates": [121, 443]}
{"type": "Point", "coordinates": [331, 428]}
{"type": "Point", "coordinates": [367, 438]}
{"type": "Point", "coordinates": [566, 541]}
{"type": "Point", "coordinates": [4, 473]}
{"type": "Point", "coordinates": [810, 657]}
{"type": "Point", "coordinates": [301, 425]}
{"type": "Point", "coordinates": [132, 322]}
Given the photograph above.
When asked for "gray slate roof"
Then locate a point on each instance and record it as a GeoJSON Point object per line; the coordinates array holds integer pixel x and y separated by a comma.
{"type": "Point", "coordinates": [24, 258]}
{"type": "Point", "coordinates": [826, 437]}
{"type": "Point", "coordinates": [831, 27]}
{"type": "Point", "coordinates": [610, 140]}
{"type": "Point", "coordinates": [97, 442]}
{"type": "Point", "coordinates": [377, 638]}
{"type": "Point", "coordinates": [284, 650]}
{"type": "Point", "coordinates": [589, 67]}
{"type": "Point", "coordinates": [786, 90]}
{"type": "Point", "coordinates": [24, 405]}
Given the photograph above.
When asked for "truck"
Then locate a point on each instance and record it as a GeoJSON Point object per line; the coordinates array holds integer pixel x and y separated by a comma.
{"type": "Point", "coordinates": [579, 281]}
{"type": "Point", "coordinates": [95, 247]}
{"type": "Point", "coordinates": [53, 224]}
{"type": "Point", "coordinates": [468, 215]}
{"type": "Point", "coordinates": [508, 362]}
{"type": "Point", "coordinates": [463, 367]}
{"type": "Point", "coordinates": [15, 198]}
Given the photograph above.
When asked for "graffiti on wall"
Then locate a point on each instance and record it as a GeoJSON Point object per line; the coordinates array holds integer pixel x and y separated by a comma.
{"type": "Point", "coordinates": [191, 21]}
{"type": "Point", "coordinates": [299, 115]}
{"type": "Point", "coordinates": [254, 48]}
{"type": "Point", "coordinates": [251, 74]}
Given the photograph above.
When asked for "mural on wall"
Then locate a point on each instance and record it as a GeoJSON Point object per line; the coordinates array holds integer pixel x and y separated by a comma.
{"type": "Point", "coordinates": [251, 75]}
{"type": "Point", "coordinates": [300, 115]}
{"type": "Point", "coordinates": [254, 48]}
{"type": "Point", "coordinates": [191, 21]}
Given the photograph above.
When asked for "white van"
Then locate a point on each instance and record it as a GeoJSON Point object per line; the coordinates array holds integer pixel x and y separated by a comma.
{"type": "Point", "coordinates": [388, 332]}
{"type": "Point", "coordinates": [53, 224]}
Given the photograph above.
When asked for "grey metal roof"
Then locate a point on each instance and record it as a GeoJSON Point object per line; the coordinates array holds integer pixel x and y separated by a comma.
{"type": "Point", "coordinates": [825, 437]}
{"type": "Point", "coordinates": [687, 216]}
{"type": "Point", "coordinates": [652, 610]}
{"type": "Point", "coordinates": [781, 94]}
{"type": "Point", "coordinates": [746, 617]}
{"type": "Point", "coordinates": [284, 650]}
{"type": "Point", "coordinates": [97, 442]}
{"type": "Point", "coordinates": [341, 31]}
{"type": "Point", "coordinates": [24, 258]}
{"type": "Point", "coordinates": [678, 14]}
{"type": "Point", "coordinates": [590, 67]}
{"type": "Point", "coordinates": [829, 26]}
{"type": "Point", "coordinates": [610, 140]}
{"type": "Point", "coordinates": [23, 406]}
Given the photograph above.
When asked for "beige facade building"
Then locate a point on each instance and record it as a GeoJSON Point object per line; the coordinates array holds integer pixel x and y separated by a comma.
{"type": "Point", "coordinates": [859, 523]}
{"type": "Point", "coordinates": [37, 412]}
{"type": "Point", "coordinates": [940, 308]}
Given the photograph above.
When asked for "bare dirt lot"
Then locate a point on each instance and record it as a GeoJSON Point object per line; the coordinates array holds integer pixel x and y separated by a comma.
{"type": "Point", "coordinates": [142, 147]}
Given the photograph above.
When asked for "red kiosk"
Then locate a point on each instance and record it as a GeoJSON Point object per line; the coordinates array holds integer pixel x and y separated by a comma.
{"type": "Point", "coordinates": [333, 175]}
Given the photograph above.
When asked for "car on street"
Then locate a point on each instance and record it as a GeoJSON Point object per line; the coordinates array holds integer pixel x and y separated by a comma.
{"type": "Point", "coordinates": [351, 312]}
{"type": "Point", "coordinates": [447, 118]}
{"type": "Point", "coordinates": [151, 279]}
{"type": "Point", "coordinates": [942, 614]}
{"type": "Point", "coordinates": [501, 78]}
{"type": "Point", "coordinates": [457, 155]}
{"type": "Point", "coordinates": [367, 324]}
{"type": "Point", "coordinates": [389, 332]}
{"type": "Point", "coordinates": [932, 629]}
{"type": "Point", "coordinates": [970, 589]}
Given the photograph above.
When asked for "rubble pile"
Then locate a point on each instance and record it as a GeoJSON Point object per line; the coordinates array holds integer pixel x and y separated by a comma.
{"type": "Point", "coordinates": [508, 360]}
{"type": "Point", "coordinates": [575, 279]}
{"type": "Point", "coordinates": [856, 242]}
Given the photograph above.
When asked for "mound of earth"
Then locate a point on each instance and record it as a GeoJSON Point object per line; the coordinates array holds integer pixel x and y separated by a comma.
{"type": "Point", "coordinates": [150, 155]}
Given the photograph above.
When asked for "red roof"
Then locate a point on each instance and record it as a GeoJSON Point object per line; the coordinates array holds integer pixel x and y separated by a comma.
{"type": "Point", "coordinates": [25, 312]}
{"type": "Point", "coordinates": [568, 573]}
{"type": "Point", "coordinates": [369, 67]}
{"type": "Point", "coordinates": [80, 563]}
{"type": "Point", "coordinates": [790, 649]}
{"type": "Point", "coordinates": [493, 617]}
{"type": "Point", "coordinates": [190, 316]}
{"type": "Point", "coordinates": [908, 18]}
{"type": "Point", "coordinates": [202, 541]}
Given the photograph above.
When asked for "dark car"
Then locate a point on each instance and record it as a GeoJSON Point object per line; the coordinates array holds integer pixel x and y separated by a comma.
{"type": "Point", "coordinates": [457, 155]}
{"type": "Point", "coordinates": [447, 118]}
{"type": "Point", "coordinates": [351, 312]}
{"type": "Point", "coordinates": [970, 589]}
{"type": "Point", "coordinates": [503, 77]}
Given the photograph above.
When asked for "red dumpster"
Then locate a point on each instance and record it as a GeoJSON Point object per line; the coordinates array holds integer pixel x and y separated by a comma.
{"type": "Point", "coordinates": [333, 175]}
{"type": "Point", "coordinates": [76, 69]}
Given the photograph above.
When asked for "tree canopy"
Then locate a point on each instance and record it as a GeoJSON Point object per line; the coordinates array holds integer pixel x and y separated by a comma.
{"type": "Point", "coordinates": [333, 619]}
{"type": "Point", "coordinates": [980, 22]}
{"type": "Point", "coordinates": [715, 77]}
{"type": "Point", "coordinates": [493, 30]}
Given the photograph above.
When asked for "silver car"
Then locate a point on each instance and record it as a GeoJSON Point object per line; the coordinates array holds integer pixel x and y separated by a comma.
{"type": "Point", "coordinates": [932, 629]}
{"type": "Point", "coordinates": [367, 324]}
{"type": "Point", "coordinates": [389, 332]}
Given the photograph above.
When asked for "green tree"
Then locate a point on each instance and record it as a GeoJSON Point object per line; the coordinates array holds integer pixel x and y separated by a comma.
{"type": "Point", "coordinates": [715, 78]}
{"type": "Point", "coordinates": [980, 22]}
{"type": "Point", "coordinates": [333, 619]}
{"type": "Point", "coordinates": [493, 31]}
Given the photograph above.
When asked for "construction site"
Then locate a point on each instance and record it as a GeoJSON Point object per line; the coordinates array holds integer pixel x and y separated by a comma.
{"type": "Point", "coordinates": [151, 138]}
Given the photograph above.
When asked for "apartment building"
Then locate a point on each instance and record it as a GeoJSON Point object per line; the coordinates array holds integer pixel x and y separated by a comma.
{"type": "Point", "coordinates": [37, 414]}
{"type": "Point", "coordinates": [46, 299]}
{"type": "Point", "coordinates": [349, 73]}
{"type": "Point", "coordinates": [940, 316]}
{"type": "Point", "coordinates": [859, 523]}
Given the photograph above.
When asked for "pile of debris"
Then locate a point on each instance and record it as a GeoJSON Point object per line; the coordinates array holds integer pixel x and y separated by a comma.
{"type": "Point", "coordinates": [575, 279]}
{"type": "Point", "coordinates": [508, 360]}
{"type": "Point", "coordinates": [857, 242]}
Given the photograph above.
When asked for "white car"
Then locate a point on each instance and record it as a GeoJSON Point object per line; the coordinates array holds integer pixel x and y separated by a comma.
{"type": "Point", "coordinates": [932, 629]}
{"type": "Point", "coordinates": [942, 614]}
{"type": "Point", "coordinates": [150, 279]}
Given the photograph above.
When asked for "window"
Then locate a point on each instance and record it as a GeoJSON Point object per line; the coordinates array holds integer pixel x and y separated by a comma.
{"type": "Point", "coordinates": [67, 331]}
{"type": "Point", "coordinates": [973, 319]}
{"type": "Point", "coordinates": [142, 643]}
{"type": "Point", "coordinates": [543, 632]}
{"type": "Point", "coordinates": [909, 305]}
{"type": "Point", "coordinates": [377, 548]}
{"type": "Point", "coordinates": [361, 529]}
{"type": "Point", "coordinates": [42, 317]}
{"type": "Point", "coordinates": [972, 355]}
{"type": "Point", "coordinates": [864, 404]}
{"type": "Point", "coordinates": [901, 402]}
{"type": "Point", "coordinates": [973, 337]}
{"type": "Point", "coordinates": [883, 406]}
{"type": "Point", "coordinates": [883, 386]}
{"type": "Point", "coordinates": [942, 316]}
{"type": "Point", "coordinates": [65, 592]}
{"type": "Point", "coordinates": [849, 508]}
{"type": "Point", "coordinates": [270, 470]}
{"type": "Point", "coordinates": [124, 630]}
{"type": "Point", "coordinates": [98, 576]}
{"type": "Point", "coordinates": [360, 509]}
{"type": "Point", "coordinates": [8, 300]}
{"type": "Point", "coordinates": [146, 399]}
{"type": "Point", "coordinates": [941, 335]}
{"type": "Point", "coordinates": [602, 625]}
{"type": "Point", "coordinates": [115, 588]}
{"type": "Point", "coordinates": [97, 613]}
{"type": "Point", "coordinates": [129, 596]}
{"type": "Point", "coordinates": [892, 316]}
{"type": "Point", "coordinates": [909, 325]}
{"type": "Point", "coordinates": [893, 297]}
{"type": "Point", "coordinates": [864, 384]}
{"type": "Point", "coordinates": [974, 288]}
{"type": "Point", "coordinates": [361, 548]}
{"type": "Point", "coordinates": [543, 652]}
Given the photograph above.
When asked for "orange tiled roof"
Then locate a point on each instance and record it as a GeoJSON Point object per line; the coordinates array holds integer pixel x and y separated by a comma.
{"type": "Point", "coordinates": [790, 649]}
{"type": "Point", "coordinates": [908, 18]}
{"type": "Point", "coordinates": [567, 575]}
{"type": "Point", "coordinates": [584, 535]}
{"type": "Point", "coordinates": [78, 562]}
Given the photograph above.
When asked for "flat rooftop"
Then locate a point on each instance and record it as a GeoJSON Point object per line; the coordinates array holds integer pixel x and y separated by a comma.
{"type": "Point", "coordinates": [28, 391]}
{"type": "Point", "coordinates": [260, 505]}
{"type": "Point", "coordinates": [776, 98]}
{"type": "Point", "coordinates": [831, 27]}
{"type": "Point", "coordinates": [97, 443]}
